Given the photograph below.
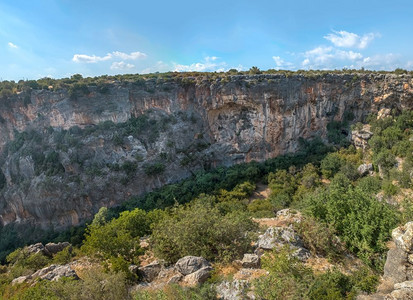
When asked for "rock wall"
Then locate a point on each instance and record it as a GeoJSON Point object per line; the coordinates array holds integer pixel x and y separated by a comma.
{"type": "Point", "coordinates": [237, 119]}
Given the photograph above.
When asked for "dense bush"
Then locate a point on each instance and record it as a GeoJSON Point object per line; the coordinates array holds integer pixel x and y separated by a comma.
{"type": "Point", "coordinates": [172, 292]}
{"type": "Point", "coordinates": [199, 229]}
{"type": "Point", "coordinates": [362, 222]}
{"type": "Point", "coordinates": [289, 279]}
{"type": "Point", "coordinates": [119, 237]}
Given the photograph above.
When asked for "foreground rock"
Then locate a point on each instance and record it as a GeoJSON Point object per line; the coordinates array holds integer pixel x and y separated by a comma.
{"type": "Point", "coordinates": [51, 273]}
{"type": "Point", "coordinates": [50, 249]}
{"type": "Point", "coordinates": [279, 237]}
{"type": "Point", "coordinates": [233, 290]}
{"type": "Point", "coordinates": [191, 264]}
{"type": "Point", "coordinates": [365, 169]}
{"type": "Point", "coordinates": [188, 271]}
{"type": "Point", "coordinates": [251, 261]}
{"type": "Point", "coordinates": [151, 271]}
{"type": "Point", "coordinates": [398, 270]}
{"type": "Point", "coordinates": [197, 277]}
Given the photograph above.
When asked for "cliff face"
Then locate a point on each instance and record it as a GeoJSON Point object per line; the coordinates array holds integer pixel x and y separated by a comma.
{"type": "Point", "coordinates": [173, 127]}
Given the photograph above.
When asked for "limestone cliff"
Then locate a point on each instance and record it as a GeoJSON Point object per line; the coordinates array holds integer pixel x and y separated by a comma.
{"type": "Point", "coordinates": [70, 161]}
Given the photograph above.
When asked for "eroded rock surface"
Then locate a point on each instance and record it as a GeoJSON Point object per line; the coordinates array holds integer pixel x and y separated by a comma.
{"type": "Point", "coordinates": [239, 119]}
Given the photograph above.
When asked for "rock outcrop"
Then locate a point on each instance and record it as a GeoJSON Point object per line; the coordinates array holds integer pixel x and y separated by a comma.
{"type": "Point", "coordinates": [51, 273]}
{"type": "Point", "coordinates": [199, 122]}
{"type": "Point", "coordinates": [398, 270]}
{"type": "Point", "coordinates": [190, 264]}
{"type": "Point", "coordinates": [279, 237]}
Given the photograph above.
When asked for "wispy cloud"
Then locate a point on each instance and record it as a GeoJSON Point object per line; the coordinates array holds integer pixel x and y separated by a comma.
{"type": "Point", "coordinates": [84, 58]}
{"type": "Point", "coordinates": [208, 64]}
{"type": "Point", "coordinates": [347, 39]}
{"type": "Point", "coordinates": [329, 57]}
{"type": "Point", "coordinates": [90, 59]}
{"type": "Point", "coordinates": [11, 45]}
{"type": "Point", "coordinates": [282, 64]}
{"type": "Point", "coordinates": [132, 56]}
{"type": "Point", "coordinates": [121, 65]}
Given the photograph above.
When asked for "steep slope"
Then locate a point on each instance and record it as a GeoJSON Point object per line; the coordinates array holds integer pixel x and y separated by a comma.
{"type": "Point", "coordinates": [62, 159]}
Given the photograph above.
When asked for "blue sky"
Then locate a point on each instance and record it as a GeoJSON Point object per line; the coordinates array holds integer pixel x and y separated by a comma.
{"type": "Point", "coordinates": [60, 38]}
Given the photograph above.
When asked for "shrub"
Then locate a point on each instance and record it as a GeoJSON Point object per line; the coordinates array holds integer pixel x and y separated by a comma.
{"type": "Point", "coordinates": [362, 222]}
{"type": "Point", "coordinates": [174, 291]}
{"type": "Point", "coordinates": [154, 169]}
{"type": "Point", "coordinates": [288, 278]}
{"type": "Point", "coordinates": [199, 229]}
{"type": "Point", "coordinates": [111, 241]}
{"type": "Point", "coordinates": [331, 164]}
{"type": "Point", "coordinates": [319, 238]}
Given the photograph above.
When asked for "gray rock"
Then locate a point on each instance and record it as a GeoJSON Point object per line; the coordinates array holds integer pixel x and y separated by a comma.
{"type": "Point", "coordinates": [277, 237]}
{"type": "Point", "coordinates": [21, 279]}
{"type": "Point", "coordinates": [232, 290]}
{"type": "Point", "coordinates": [175, 278]}
{"type": "Point", "coordinates": [403, 237]}
{"type": "Point", "coordinates": [301, 253]}
{"type": "Point", "coordinates": [151, 271]}
{"type": "Point", "coordinates": [52, 248]}
{"type": "Point", "coordinates": [55, 272]}
{"type": "Point", "coordinates": [404, 285]}
{"type": "Point", "coordinates": [36, 248]}
{"type": "Point", "coordinates": [364, 169]}
{"type": "Point", "coordinates": [191, 264]}
{"type": "Point", "coordinates": [395, 266]}
{"type": "Point", "coordinates": [402, 294]}
{"type": "Point", "coordinates": [198, 277]}
{"type": "Point", "coordinates": [251, 261]}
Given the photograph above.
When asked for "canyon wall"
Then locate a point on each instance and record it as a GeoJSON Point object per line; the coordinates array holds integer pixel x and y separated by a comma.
{"type": "Point", "coordinates": [67, 164]}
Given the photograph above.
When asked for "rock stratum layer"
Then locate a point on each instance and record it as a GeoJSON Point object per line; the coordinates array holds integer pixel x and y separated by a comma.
{"type": "Point", "coordinates": [70, 161]}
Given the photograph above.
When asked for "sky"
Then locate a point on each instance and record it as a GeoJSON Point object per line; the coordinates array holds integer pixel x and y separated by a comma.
{"type": "Point", "coordinates": [59, 38]}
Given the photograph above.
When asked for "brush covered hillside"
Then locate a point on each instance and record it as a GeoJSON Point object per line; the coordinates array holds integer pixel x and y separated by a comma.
{"type": "Point", "coordinates": [326, 216]}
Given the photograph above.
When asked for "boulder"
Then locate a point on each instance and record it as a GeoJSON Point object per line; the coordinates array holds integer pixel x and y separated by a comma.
{"type": "Point", "coordinates": [36, 248]}
{"type": "Point", "coordinates": [52, 248]}
{"type": "Point", "coordinates": [364, 169]}
{"type": "Point", "coordinates": [403, 237]}
{"type": "Point", "coordinates": [301, 253]}
{"type": "Point", "coordinates": [278, 237]}
{"type": "Point", "coordinates": [151, 271]}
{"type": "Point", "coordinates": [395, 266]}
{"type": "Point", "coordinates": [404, 285]}
{"type": "Point", "coordinates": [191, 264]}
{"type": "Point", "coordinates": [251, 261]}
{"type": "Point", "coordinates": [175, 278]}
{"type": "Point", "coordinates": [232, 290]}
{"type": "Point", "coordinates": [360, 137]}
{"type": "Point", "coordinates": [198, 277]}
{"type": "Point", "coordinates": [21, 279]}
{"type": "Point", "coordinates": [55, 272]}
{"type": "Point", "coordinates": [402, 294]}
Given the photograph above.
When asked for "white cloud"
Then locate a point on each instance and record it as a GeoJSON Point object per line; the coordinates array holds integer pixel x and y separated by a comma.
{"type": "Point", "coordinates": [350, 40]}
{"type": "Point", "coordinates": [208, 65]}
{"type": "Point", "coordinates": [280, 63]}
{"type": "Point", "coordinates": [121, 65]}
{"type": "Point", "coordinates": [329, 57]}
{"type": "Point", "coordinates": [11, 45]}
{"type": "Point", "coordinates": [132, 56]}
{"type": "Point", "coordinates": [89, 59]}
{"type": "Point", "coordinates": [84, 58]}
{"type": "Point", "coordinates": [211, 58]}
{"type": "Point", "coordinates": [160, 66]}
{"type": "Point", "coordinates": [389, 61]}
